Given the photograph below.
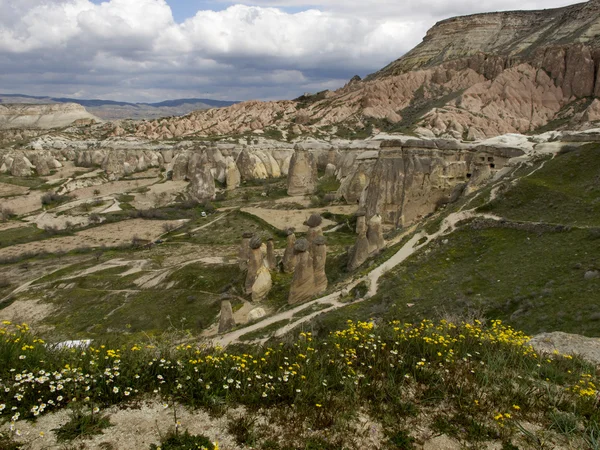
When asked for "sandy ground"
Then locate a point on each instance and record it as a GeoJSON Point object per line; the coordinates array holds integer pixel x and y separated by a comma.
{"type": "Point", "coordinates": [24, 204]}
{"type": "Point", "coordinates": [26, 311]}
{"type": "Point", "coordinates": [9, 225]}
{"type": "Point", "coordinates": [160, 194]}
{"type": "Point", "coordinates": [134, 427]}
{"type": "Point", "coordinates": [111, 187]}
{"type": "Point", "coordinates": [110, 235]}
{"type": "Point", "coordinates": [9, 190]}
{"type": "Point", "coordinates": [282, 219]}
{"type": "Point", "coordinates": [68, 170]}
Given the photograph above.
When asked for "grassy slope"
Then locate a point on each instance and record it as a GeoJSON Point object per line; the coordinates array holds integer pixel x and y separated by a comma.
{"type": "Point", "coordinates": [532, 279]}
{"type": "Point", "coordinates": [566, 191]}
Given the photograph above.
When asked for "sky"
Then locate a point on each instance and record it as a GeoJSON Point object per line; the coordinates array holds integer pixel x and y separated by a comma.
{"type": "Point", "coordinates": [154, 50]}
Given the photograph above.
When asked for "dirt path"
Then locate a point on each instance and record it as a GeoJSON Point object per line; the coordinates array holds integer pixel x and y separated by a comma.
{"type": "Point", "coordinates": [416, 242]}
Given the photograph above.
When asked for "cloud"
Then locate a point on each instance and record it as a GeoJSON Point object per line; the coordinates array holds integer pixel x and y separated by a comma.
{"type": "Point", "coordinates": [135, 50]}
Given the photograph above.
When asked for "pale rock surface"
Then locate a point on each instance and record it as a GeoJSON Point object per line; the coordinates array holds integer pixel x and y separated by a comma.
{"type": "Point", "coordinates": [289, 256]}
{"type": "Point", "coordinates": [258, 279]}
{"type": "Point", "coordinates": [303, 283]}
{"type": "Point", "coordinates": [568, 344]}
{"type": "Point", "coordinates": [226, 321]}
{"type": "Point", "coordinates": [319, 261]}
{"type": "Point", "coordinates": [302, 174]}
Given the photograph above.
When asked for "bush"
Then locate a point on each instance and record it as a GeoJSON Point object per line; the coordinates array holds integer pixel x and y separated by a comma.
{"type": "Point", "coordinates": [53, 199]}
{"type": "Point", "coordinates": [7, 213]}
{"type": "Point", "coordinates": [82, 424]}
{"type": "Point", "coordinates": [183, 441]}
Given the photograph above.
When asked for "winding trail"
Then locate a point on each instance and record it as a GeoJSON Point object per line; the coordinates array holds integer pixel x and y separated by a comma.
{"type": "Point", "coordinates": [416, 242]}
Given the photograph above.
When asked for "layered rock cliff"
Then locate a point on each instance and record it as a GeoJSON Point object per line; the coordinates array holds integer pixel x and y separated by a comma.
{"type": "Point", "coordinates": [32, 116]}
{"type": "Point", "coordinates": [472, 77]}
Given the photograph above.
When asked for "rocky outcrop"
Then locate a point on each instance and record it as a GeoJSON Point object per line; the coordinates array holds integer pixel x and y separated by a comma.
{"type": "Point", "coordinates": [471, 77]}
{"type": "Point", "coordinates": [48, 116]}
{"type": "Point", "coordinates": [319, 262]}
{"type": "Point", "coordinates": [375, 234]}
{"type": "Point", "coordinates": [258, 279]}
{"type": "Point", "coordinates": [303, 283]}
{"type": "Point", "coordinates": [302, 174]}
{"type": "Point", "coordinates": [360, 251]}
{"type": "Point", "coordinates": [226, 321]}
{"type": "Point", "coordinates": [314, 229]}
{"type": "Point", "coordinates": [202, 182]}
{"type": "Point", "coordinates": [289, 256]}
{"type": "Point", "coordinates": [411, 179]}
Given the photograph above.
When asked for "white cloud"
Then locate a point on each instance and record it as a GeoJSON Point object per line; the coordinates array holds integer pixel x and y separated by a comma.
{"type": "Point", "coordinates": [135, 49]}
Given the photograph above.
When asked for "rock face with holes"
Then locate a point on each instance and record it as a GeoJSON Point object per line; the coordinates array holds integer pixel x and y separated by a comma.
{"type": "Point", "coordinates": [303, 283]}
{"type": "Point", "coordinates": [289, 256]}
{"type": "Point", "coordinates": [302, 174]}
{"type": "Point", "coordinates": [319, 261]}
{"type": "Point", "coordinates": [412, 179]}
{"type": "Point", "coordinates": [226, 322]}
{"type": "Point", "coordinates": [258, 279]}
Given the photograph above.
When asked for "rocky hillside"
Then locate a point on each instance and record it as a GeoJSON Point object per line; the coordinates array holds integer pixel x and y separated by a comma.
{"type": "Point", "coordinates": [44, 116]}
{"type": "Point", "coordinates": [472, 77]}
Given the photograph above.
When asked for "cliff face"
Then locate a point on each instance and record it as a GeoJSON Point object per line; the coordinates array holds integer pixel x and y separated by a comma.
{"type": "Point", "coordinates": [43, 116]}
{"type": "Point", "coordinates": [515, 36]}
{"type": "Point", "coordinates": [472, 77]}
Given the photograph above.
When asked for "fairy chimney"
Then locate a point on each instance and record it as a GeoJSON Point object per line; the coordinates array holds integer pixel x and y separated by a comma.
{"type": "Point", "coordinates": [319, 260]}
{"type": "Point", "coordinates": [303, 283]}
{"type": "Point", "coordinates": [289, 258]}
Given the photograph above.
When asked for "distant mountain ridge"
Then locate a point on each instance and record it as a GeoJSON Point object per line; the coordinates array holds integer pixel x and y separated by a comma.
{"type": "Point", "coordinates": [115, 110]}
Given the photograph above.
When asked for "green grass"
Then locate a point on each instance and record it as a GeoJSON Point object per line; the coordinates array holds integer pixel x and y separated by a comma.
{"type": "Point", "coordinates": [521, 277]}
{"type": "Point", "coordinates": [565, 191]}
{"type": "Point", "coordinates": [104, 302]}
{"type": "Point", "coordinates": [264, 332]}
{"type": "Point", "coordinates": [21, 235]}
{"type": "Point", "coordinates": [32, 182]}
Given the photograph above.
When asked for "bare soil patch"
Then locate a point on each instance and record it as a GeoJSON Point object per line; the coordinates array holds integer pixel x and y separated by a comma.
{"type": "Point", "coordinates": [283, 219]}
{"type": "Point", "coordinates": [110, 235]}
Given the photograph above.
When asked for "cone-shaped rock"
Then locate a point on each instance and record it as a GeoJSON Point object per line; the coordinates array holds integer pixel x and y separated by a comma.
{"type": "Point", "coordinates": [319, 260]}
{"type": "Point", "coordinates": [361, 223]}
{"type": "Point", "coordinates": [375, 234]}
{"type": "Point", "coordinates": [258, 279]}
{"type": "Point", "coordinates": [302, 174]}
{"type": "Point", "coordinates": [360, 252]}
{"type": "Point", "coordinates": [244, 252]}
{"type": "Point", "coordinates": [227, 322]}
{"type": "Point", "coordinates": [271, 262]}
{"type": "Point", "coordinates": [303, 283]}
{"type": "Point", "coordinates": [289, 257]}
{"type": "Point", "coordinates": [314, 229]}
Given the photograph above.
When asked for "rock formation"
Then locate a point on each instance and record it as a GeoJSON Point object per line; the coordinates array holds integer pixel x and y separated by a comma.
{"type": "Point", "coordinates": [314, 229]}
{"type": "Point", "coordinates": [271, 261]}
{"type": "Point", "coordinates": [226, 322]}
{"type": "Point", "coordinates": [47, 116]}
{"type": "Point", "coordinates": [375, 234]}
{"type": "Point", "coordinates": [244, 252]}
{"type": "Point", "coordinates": [258, 279]}
{"type": "Point", "coordinates": [360, 251]}
{"type": "Point", "coordinates": [303, 283]}
{"type": "Point", "coordinates": [472, 77]}
{"type": "Point", "coordinates": [302, 174]}
{"type": "Point", "coordinates": [289, 256]}
{"type": "Point", "coordinates": [410, 179]}
{"type": "Point", "coordinates": [319, 261]}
